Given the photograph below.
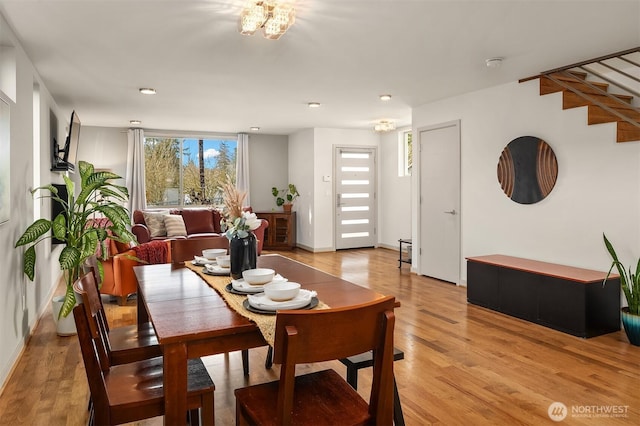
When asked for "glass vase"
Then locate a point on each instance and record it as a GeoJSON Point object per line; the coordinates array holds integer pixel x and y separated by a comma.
{"type": "Point", "coordinates": [243, 254]}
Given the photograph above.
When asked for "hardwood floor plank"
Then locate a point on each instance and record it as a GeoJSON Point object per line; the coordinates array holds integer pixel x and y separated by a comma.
{"type": "Point", "coordinates": [463, 364]}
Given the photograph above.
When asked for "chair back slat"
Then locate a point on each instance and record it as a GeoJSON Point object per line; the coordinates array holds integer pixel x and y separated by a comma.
{"type": "Point", "coordinates": [86, 287]}
{"type": "Point", "coordinates": [323, 335]}
{"type": "Point", "coordinates": [92, 364]}
{"type": "Point", "coordinates": [185, 249]}
{"type": "Point", "coordinates": [95, 267]}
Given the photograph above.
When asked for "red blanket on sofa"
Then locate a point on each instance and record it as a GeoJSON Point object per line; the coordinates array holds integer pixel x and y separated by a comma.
{"type": "Point", "coordinates": [153, 252]}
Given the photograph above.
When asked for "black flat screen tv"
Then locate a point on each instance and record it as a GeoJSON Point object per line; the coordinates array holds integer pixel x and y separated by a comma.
{"type": "Point", "coordinates": [65, 159]}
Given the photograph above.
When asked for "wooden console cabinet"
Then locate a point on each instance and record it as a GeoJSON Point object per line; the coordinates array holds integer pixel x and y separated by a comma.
{"type": "Point", "coordinates": [568, 299]}
{"type": "Point", "coordinates": [281, 233]}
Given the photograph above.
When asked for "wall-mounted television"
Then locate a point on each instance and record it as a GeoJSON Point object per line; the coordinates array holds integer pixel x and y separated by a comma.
{"type": "Point", "coordinates": [64, 159]}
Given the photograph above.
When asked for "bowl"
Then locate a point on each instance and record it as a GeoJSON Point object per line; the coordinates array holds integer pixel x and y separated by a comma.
{"type": "Point", "coordinates": [224, 261]}
{"type": "Point", "coordinates": [211, 254]}
{"type": "Point", "coordinates": [281, 291]}
{"type": "Point", "coordinates": [258, 276]}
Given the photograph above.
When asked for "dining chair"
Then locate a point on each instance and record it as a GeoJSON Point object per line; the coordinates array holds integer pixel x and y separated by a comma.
{"type": "Point", "coordinates": [134, 391]}
{"type": "Point", "coordinates": [121, 344]}
{"type": "Point", "coordinates": [184, 250]}
{"type": "Point", "coordinates": [324, 397]}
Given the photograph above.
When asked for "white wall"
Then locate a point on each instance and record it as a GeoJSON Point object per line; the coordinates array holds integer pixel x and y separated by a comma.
{"type": "Point", "coordinates": [394, 202]}
{"type": "Point", "coordinates": [268, 159]}
{"type": "Point", "coordinates": [598, 186]}
{"type": "Point", "coordinates": [104, 147]}
{"type": "Point", "coordinates": [23, 301]}
{"type": "Point", "coordinates": [301, 174]}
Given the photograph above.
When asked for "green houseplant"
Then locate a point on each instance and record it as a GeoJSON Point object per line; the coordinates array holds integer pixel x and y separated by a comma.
{"type": "Point", "coordinates": [286, 196]}
{"type": "Point", "coordinates": [630, 284]}
{"type": "Point", "coordinates": [98, 195]}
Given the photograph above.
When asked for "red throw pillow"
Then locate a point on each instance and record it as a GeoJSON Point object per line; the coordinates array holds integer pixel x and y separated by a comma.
{"type": "Point", "coordinates": [198, 221]}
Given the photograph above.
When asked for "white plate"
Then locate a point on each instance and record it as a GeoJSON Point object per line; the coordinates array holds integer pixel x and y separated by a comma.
{"type": "Point", "coordinates": [201, 261]}
{"type": "Point", "coordinates": [245, 287]}
{"type": "Point", "coordinates": [216, 270]}
{"type": "Point", "coordinates": [261, 301]}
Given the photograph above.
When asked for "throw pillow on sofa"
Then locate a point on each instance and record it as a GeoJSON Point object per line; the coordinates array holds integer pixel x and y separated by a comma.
{"type": "Point", "coordinates": [155, 223]}
{"type": "Point", "coordinates": [198, 221]}
{"type": "Point", "coordinates": [175, 225]}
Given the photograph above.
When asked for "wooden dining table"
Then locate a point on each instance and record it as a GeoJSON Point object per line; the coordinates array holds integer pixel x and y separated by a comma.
{"type": "Point", "coordinates": [192, 320]}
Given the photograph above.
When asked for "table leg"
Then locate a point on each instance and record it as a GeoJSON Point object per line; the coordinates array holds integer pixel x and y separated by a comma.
{"type": "Point", "coordinates": [175, 383]}
{"type": "Point", "coordinates": [143, 315]}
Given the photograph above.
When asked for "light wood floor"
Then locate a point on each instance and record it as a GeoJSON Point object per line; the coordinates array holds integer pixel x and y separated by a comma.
{"type": "Point", "coordinates": [463, 364]}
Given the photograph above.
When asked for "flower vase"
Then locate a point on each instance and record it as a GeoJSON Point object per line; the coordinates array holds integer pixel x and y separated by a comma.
{"type": "Point", "coordinates": [243, 254]}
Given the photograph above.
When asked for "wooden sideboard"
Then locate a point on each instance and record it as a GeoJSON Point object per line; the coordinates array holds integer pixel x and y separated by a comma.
{"type": "Point", "coordinates": [568, 299]}
{"type": "Point", "coordinates": [281, 233]}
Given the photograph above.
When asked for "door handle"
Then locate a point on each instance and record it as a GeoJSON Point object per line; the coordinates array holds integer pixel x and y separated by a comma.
{"type": "Point", "coordinates": [453, 212]}
{"type": "Point", "coordinates": [338, 201]}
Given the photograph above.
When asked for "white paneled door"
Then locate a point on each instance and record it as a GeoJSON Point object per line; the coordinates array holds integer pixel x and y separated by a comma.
{"type": "Point", "coordinates": [355, 197]}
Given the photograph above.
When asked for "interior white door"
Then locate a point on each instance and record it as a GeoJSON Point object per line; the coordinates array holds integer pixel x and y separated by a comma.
{"type": "Point", "coordinates": [355, 192]}
{"type": "Point", "coordinates": [439, 245]}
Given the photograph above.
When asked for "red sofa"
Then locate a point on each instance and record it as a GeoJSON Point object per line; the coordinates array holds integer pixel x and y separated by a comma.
{"type": "Point", "coordinates": [199, 223]}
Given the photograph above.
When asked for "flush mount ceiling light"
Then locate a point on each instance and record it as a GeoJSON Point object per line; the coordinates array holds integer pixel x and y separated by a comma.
{"type": "Point", "coordinates": [385, 97]}
{"type": "Point", "coordinates": [135, 122]}
{"type": "Point", "coordinates": [493, 62]}
{"type": "Point", "coordinates": [273, 17]}
{"type": "Point", "coordinates": [313, 104]}
{"type": "Point", "coordinates": [254, 129]}
{"type": "Point", "coordinates": [384, 126]}
{"type": "Point", "coordinates": [147, 91]}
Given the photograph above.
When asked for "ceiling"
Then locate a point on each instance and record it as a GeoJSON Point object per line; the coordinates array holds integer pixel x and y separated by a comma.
{"type": "Point", "coordinates": [93, 55]}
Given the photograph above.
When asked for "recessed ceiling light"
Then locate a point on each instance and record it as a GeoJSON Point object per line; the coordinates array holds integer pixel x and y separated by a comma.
{"type": "Point", "coordinates": [313, 104]}
{"type": "Point", "coordinates": [147, 91]}
{"type": "Point", "coordinates": [385, 97]}
{"type": "Point", "coordinates": [254, 129]}
{"type": "Point", "coordinates": [135, 122]}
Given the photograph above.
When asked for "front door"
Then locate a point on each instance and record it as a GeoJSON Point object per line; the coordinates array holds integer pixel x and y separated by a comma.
{"type": "Point", "coordinates": [355, 192]}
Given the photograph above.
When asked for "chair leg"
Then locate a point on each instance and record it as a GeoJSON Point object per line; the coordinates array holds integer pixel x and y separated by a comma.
{"type": "Point", "coordinates": [122, 300]}
{"type": "Point", "coordinates": [193, 418]}
{"type": "Point", "coordinates": [245, 361]}
{"type": "Point", "coordinates": [352, 376]}
{"type": "Point", "coordinates": [398, 417]}
{"type": "Point", "coordinates": [268, 362]}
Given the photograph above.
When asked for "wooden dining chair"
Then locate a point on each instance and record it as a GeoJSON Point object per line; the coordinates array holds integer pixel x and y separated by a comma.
{"type": "Point", "coordinates": [184, 250]}
{"type": "Point", "coordinates": [134, 391]}
{"type": "Point", "coordinates": [324, 397]}
{"type": "Point", "coordinates": [121, 344]}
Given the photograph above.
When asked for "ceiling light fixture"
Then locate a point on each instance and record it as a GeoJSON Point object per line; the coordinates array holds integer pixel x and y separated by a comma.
{"type": "Point", "coordinates": [147, 91]}
{"type": "Point", "coordinates": [135, 122]}
{"type": "Point", "coordinates": [493, 62]}
{"type": "Point", "coordinates": [273, 17]}
{"type": "Point", "coordinates": [254, 128]}
{"type": "Point", "coordinates": [384, 126]}
{"type": "Point", "coordinates": [313, 104]}
{"type": "Point", "coordinates": [385, 97]}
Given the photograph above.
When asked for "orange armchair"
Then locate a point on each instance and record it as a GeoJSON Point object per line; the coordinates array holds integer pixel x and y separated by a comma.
{"type": "Point", "coordinates": [119, 279]}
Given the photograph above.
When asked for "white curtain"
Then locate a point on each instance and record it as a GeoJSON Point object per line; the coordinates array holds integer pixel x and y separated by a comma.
{"type": "Point", "coordinates": [135, 170]}
{"type": "Point", "coordinates": [242, 166]}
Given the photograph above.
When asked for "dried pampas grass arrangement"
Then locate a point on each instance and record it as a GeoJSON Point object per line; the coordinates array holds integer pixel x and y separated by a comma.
{"type": "Point", "coordinates": [233, 199]}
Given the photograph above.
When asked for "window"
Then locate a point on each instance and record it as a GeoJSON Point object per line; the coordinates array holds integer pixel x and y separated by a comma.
{"type": "Point", "coordinates": [187, 171]}
{"type": "Point", "coordinates": [405, 153]}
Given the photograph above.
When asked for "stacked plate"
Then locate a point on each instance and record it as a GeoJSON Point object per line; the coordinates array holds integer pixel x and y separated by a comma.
{"type": "Point", "coordinates": [215, 269]}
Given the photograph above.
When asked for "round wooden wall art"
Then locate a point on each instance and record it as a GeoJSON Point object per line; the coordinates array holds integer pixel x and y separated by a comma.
{"type": "Point", "coordinates": [527, 170]}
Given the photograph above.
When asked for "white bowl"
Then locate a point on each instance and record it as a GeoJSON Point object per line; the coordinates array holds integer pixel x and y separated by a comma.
{"type": "Point", "coordinates": [258, 276]}
{"type": "Point", "coordinates": [211, 254]}
{"type": "Point", "coordinates": [224, 261]}
{"type": "Point", "coordinates": [282, 290]}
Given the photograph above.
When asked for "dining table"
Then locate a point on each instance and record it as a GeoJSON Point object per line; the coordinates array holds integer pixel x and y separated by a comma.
{"type": "Point", "coordinates": [192, 319]}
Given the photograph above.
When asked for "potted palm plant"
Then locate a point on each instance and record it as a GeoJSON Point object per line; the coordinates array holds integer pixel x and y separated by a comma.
{"type": "Point", "coordinates": [630, 284]}
{"type": "Point", "coordinates": [286, 196]}
{"type": "Point", "coordinates": [73, 225]}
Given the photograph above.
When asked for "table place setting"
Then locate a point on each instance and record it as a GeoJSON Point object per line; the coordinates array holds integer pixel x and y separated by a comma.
{"type": "Point", "coordinates": [262, 310]}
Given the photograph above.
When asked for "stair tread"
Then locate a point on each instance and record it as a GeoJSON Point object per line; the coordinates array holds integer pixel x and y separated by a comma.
{"type": "Point", "coordinates": [627, 132]}
{"type": "Point", "coordinates": [573, 100]}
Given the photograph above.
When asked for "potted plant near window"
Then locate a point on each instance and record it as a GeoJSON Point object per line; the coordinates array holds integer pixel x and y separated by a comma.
{"type": "Point", "coordinates": [286, 196]}
{"type": "Point", "coordinates": [630, 283]}
{"type": "Point", "coordinates": [98, 195]}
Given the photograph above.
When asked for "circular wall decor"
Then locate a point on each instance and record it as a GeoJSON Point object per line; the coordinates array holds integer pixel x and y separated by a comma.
{"type": "Point", "coordinates": [527, 170]}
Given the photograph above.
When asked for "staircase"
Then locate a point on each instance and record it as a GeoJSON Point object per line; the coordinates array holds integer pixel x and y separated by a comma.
{"type": "Point", "coordinates": [605, 85]}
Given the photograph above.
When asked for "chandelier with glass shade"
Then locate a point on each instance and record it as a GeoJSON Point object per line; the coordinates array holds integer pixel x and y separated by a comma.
{"type": "Point", "coordinates": [384, 126]}
{"type": "Point", "coordinates": [273, 17]}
